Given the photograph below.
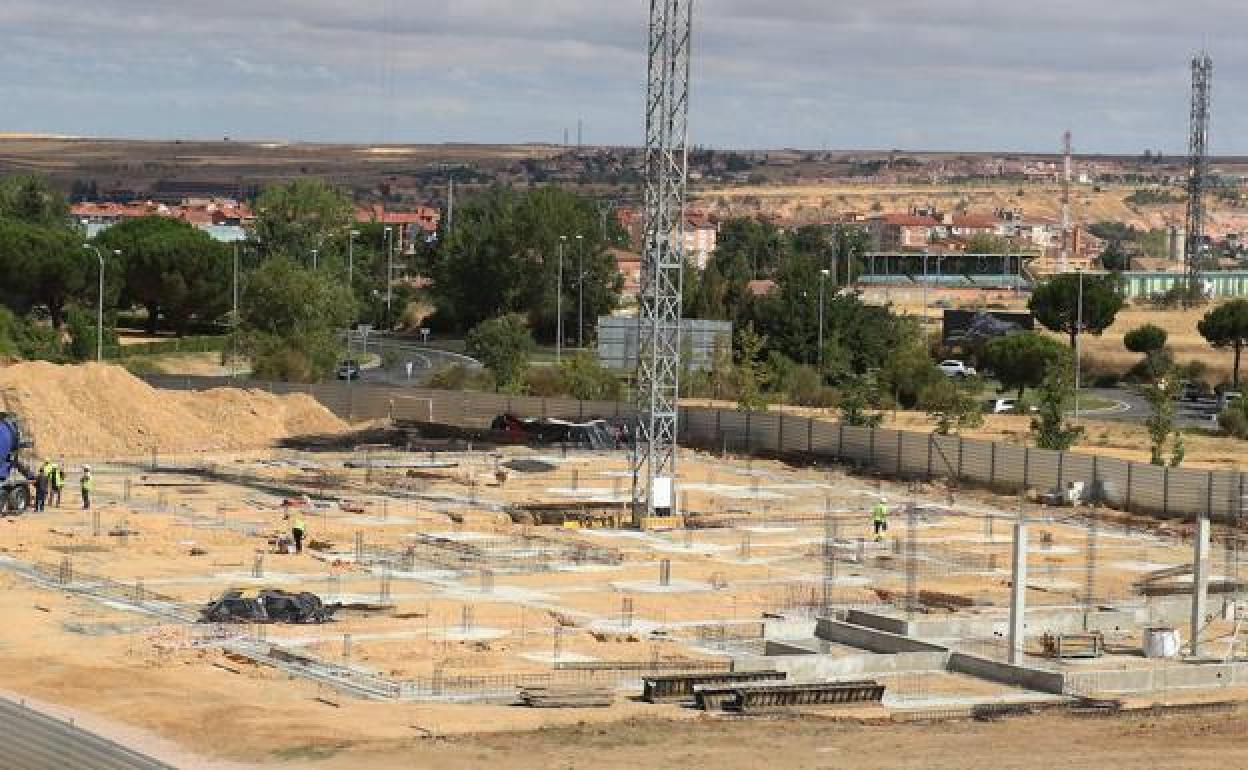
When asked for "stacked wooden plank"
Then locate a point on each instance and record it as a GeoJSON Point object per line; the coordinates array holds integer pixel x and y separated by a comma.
{"type": "Point", "coordinates": [566, 697]}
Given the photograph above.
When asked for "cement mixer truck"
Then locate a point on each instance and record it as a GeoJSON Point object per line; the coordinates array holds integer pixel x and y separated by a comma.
{"type": "Point", "coordinates": [15, 494]}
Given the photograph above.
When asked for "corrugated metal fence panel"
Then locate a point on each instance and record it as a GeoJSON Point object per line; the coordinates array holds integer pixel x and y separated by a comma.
{"type": "Point", "coordinates": [1113, 474]}
{"type": "Point", "coordinates": [1148, 488]}
{"type": "Point", "coordinates": [977, 461]}
{"type": "Point", "coordinates": [946, 455]}
{"type": "Point", "coordinates": [765, 432]}
{"type": "Point", "coordinates": [1190, 490]}
{"type": "Point", "coordinates": [887, 452]}
{"type": "Point", "coordinates": [1080, 467]}
{"type": "Point", "coordinates": [732, 430]}
{"type": "Point", "coordinates": [1042, 469]}
{"type": "Point", "coordinates": [697, 426]}
{"type": "Point", "coordinates": [858, 445]}
{"type": "Point", "coordinates": [826, 438]}
{"type": "Point", "coordinates": [794, 434]}
{"type": "Point", "coordinates": [1010, 466]}
{"type": "Point", "coordinates": [914, 454]}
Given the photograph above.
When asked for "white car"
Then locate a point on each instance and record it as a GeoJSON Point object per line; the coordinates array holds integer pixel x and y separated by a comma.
{"type": "Point", "coordinates": [954, 368]}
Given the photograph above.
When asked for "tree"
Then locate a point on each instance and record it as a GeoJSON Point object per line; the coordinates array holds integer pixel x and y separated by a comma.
{"type": "Point", "coordinates": [1161, 423]}
{"type": "Point", "coordinates": [856, 398]}
{"type": "Point", "coordinates": [1055, 304]}
{"type": "Point", "coordinates": [302, 215]}
{"type": "Point", "coordinates": [503, 345]}
{"type": "Point", "coordinates": [1049, 427]}
{"type": "Point", "coordinates": [1149, 340]}
{"type": "Point", "coordinates": [31, 199]}
{"type": "Point", "coordinates": [983, 243]}
{"type": "Point", "coordinates": [173, 269]}
{"type": "Point", "coordinates": [587, 380]}
{"type": "Point", "coordinates": [752, 374]}
{"type": "Point", "coordinates": [908, 372]}
{"type": "Point", "coordinates": [503, 258]}
{"type": "Point", "coordinates": [953, 405]}
{"type": "Point", "coordinates": [290, 318]}
{"type": "Point", "coordinates": [45, 266]}
{"type": "Point", "coordinates": [1227, 326]}
{"type": "Point", "coordinates": [1021, 360]}
{"type": "Point", "coordinates": [1145, 339]}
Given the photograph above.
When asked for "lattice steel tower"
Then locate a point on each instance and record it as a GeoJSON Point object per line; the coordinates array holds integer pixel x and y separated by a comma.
{"type": "Point", "coordinates": [658, 328]}
{"type": "Point", "coordinates": [1198, 179]}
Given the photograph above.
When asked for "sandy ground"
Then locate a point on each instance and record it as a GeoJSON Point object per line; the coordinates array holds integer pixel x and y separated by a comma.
{"type": "Point", "coordinates": [102, 660]}
{"type": "Point", "coordinates": [814, 744]}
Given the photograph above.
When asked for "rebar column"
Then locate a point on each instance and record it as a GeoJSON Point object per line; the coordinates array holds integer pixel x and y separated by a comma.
{"type": "Point", "coordinates": [1018, 591]}
{"type": "Point", "coordinates": [1200, 580]}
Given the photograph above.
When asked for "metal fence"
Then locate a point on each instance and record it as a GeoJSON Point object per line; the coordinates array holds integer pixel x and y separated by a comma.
{"type": "Point", "coordinates": [1122, 484]}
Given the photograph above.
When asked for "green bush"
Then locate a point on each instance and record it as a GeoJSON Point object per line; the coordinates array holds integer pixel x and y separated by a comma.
{"type": "Point", "coordinates": [461, 377]}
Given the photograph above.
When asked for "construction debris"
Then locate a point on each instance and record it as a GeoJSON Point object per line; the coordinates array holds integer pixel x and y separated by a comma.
{"type": "Point", "coordinates": [250, 605]}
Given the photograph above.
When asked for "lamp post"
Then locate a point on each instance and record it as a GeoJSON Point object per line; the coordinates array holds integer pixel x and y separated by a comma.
{"type": "Point", "coordinates": [351, 236]}
{"type": "Point", "coordinates": [925, 282]}
{"type": "Point", "coordinates": [563, 239]}
{"type": "Point", "coordinates": [389, 239]}
{"type": "Point", "coordinates": [823, 280]}
{"type": "Point", "coordinates": [580, 292]}
{"type": "Point", "coordinates": [1078, 340]}
{"type": "Point", "coordinates": [99, 317]}
{"type": "Point", "coordinates": [234, 317]}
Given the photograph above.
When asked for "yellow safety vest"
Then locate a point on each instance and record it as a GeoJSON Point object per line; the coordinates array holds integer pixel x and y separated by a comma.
{"type": "Point", "coordinates": [880, 512]}
{"type": "Point", "coordinates": [86, 483]}
{"type": "Point", "coordinates": [298, 523]}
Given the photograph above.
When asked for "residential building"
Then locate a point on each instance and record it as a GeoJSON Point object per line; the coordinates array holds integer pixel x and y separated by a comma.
{"type": "Point", "coordinates": [901, 232]}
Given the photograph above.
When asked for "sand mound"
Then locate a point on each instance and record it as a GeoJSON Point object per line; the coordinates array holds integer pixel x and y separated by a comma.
{"type": "Point", "coordinates": [97, 411]}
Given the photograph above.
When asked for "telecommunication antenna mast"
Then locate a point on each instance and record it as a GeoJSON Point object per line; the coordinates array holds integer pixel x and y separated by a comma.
{"type": "Point", "coordinates": [1064, 258]}
{"type": "Point", "coordinates": [658, 327]}
{"type": "Point", "coordinates": [1198, 179]}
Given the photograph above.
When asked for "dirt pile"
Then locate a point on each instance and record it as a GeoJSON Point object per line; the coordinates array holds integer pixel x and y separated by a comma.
{"type": "Point", "coordinates": [97, 411]}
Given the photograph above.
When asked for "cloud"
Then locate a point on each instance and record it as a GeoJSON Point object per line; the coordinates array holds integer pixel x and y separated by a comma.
{"type": "Point", "coordinates": [957, 74]}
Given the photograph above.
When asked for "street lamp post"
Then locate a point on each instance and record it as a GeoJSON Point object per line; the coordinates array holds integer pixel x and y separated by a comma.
{"type": "Point", "coordinates": [234, 318]}
{"type": "Point", "coordinates": [580, 292]}
{"type": "Point", "coordinates": [823, 280]}
{"type": "Point", "coordinates": [1078, 341]}
{"type": "Point", "coordinates": [925, 282]}
{"type": "Point", "coordinates": [351, 236]}
{"type": "Point", "coordinates": [389, 277]}
{"type": "Point", "coordinates": [563, 239]}
{"type": "Point", "coordinates": [99, 317]}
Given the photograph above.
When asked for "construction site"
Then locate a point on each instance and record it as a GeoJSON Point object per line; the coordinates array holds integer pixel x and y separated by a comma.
{"type": "Point", "coordinates": [455, 578]}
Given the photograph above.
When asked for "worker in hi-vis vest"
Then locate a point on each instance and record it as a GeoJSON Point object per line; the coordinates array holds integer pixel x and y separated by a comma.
{"type": "Point", "coordinates": [879, 518]}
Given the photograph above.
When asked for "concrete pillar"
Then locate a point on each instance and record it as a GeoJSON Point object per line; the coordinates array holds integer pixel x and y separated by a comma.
{"type": "Point", "coordinates": [1200, 580]}
{"type": "Point", "coordinates": [1018, 592]}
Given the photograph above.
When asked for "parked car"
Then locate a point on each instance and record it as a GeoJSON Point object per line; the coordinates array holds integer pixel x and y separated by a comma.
{"type": "Point", "coordinates": [1006, 405]}
{"type": "Point", "coordinates": [955, 368]}
{"type": "Point", "coordinates": [349, 370]}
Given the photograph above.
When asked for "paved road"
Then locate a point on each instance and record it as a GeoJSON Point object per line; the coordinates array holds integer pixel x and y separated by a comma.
{"type": "Point", "coordinates": [1135, 408]}
{"type": "Point", "coordinates": [425, 361]}
{"type": "Point", "coordinates": [30, 740]}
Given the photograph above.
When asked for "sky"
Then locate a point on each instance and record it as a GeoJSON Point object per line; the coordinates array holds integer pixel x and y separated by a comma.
{"type": "Point", "coordinates": [880, 74]}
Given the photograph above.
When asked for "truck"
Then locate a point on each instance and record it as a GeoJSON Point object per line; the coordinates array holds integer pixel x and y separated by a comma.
{"type": "Point", "coordinates": [15, 494]}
